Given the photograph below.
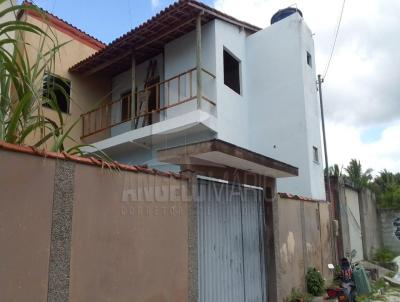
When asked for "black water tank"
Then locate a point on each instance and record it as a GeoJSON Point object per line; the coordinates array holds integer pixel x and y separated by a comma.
{"type": "Point", "coordinates": [283, 13]}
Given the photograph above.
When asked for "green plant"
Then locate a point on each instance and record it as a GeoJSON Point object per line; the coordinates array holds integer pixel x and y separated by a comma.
{"type": "Point", "coordinates": [355, 174]}
{"type": "Point", "coordinates": [296, 295]}
{"type": "Point", "coordinates": [384, 255]}
{"type": "Point", "coordinates": [315, 282]}
{"type": "Point", "coordinates": [22, 92]}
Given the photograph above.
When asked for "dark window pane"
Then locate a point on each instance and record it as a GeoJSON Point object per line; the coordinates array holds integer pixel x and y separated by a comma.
{"type": "Point", "coordinates": [309, 59]}
{"type": "Point", "coordinates": [125, 106]}
{"type": "Point", "coordinates": [57, 89]}
{"type": "Point", "coordinates": [231, 72]}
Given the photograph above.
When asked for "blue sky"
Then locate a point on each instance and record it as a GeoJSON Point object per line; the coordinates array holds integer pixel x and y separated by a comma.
{"type": "Point", "coordinates": [105, 20]}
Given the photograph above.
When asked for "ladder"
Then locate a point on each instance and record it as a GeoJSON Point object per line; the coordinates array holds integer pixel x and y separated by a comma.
{"type": "Point", "coordinates": [143, 97]}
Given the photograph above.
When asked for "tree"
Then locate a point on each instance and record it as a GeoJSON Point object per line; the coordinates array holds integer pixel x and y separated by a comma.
{"type": "Point", "coordinates": [359, 178]}
{"type": "Point", "coordinates": [334, 171]}
{"type": "Point", "coordinates": [387, 189]}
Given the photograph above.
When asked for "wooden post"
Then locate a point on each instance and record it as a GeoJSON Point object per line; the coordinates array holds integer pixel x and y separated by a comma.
{"type": "Point", "coordinates": [198, 61]}
{"type": "Point", "coordinates": [133, 100]}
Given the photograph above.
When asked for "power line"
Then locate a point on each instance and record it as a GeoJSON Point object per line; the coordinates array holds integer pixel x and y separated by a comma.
{"type": "Point", "coordinates": [334, 41]}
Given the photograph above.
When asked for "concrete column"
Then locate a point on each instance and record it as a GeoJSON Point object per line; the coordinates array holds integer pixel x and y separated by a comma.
{"type": "Point", "coordinates": [61, 233]}
{"type": "Point", "coordinates": [198, 61]}
{"type": "Point", "coordinates": [271, 239]}
{"type": "Point", "coordinates": [192, 236]}
{"type": "Point", "coordinates": [133, 75]}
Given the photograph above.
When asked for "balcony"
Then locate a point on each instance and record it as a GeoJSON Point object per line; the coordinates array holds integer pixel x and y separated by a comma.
{"type": "Point", "coordinates": [156, 103]}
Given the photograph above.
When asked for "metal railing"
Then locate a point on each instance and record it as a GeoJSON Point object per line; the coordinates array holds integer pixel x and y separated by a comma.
{"type": "Point", "coordinates": [149, 104]}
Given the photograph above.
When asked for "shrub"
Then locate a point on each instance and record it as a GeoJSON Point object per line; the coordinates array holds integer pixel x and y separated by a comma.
{"type": "Point", "coordinates": [315, 282]}
{"type": "Point", "coordinates": [384, 255]}
{"type": "Point", "coordinates": [296, 295]}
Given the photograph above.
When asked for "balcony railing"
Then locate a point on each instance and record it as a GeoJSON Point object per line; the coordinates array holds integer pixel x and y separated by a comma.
{"type": "Point", "coordinates": [149, 106]}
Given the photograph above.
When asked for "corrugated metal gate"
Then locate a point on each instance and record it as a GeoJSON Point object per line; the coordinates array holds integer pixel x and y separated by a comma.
{"type": "Point", "coordinates": [231, 248]}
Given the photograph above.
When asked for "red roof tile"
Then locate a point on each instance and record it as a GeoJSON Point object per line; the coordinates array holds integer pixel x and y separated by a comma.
{"type": "Point", "coordinates": [64, 26]}
{"type": "Point", "coordinates": [155, 28]}
{"type": "Point", "coordinates": [85, 160]}
{"type": "Point", "coordinates": [298, 197]}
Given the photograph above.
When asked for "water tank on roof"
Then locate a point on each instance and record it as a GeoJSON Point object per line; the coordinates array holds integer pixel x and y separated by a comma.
{"type": "Point", "coordinates": [283, 13]}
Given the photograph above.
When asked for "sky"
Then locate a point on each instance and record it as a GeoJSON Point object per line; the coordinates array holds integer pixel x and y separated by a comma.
{"type": "Point", "coordinates": [362, 86]}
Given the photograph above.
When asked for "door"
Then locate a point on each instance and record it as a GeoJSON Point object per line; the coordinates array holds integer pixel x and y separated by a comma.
{"type": "Point", "coordinates": [231, 248]}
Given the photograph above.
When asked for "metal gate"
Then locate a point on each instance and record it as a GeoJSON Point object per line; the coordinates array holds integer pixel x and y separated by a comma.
{"type": "Point", "coordinates": [230, 243]}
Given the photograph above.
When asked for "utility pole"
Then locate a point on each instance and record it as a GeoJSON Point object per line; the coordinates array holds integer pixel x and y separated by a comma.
{"type": "Point", "coordinates": [320, 81]}
{"type": "Point", "coordinates": [328, 179]}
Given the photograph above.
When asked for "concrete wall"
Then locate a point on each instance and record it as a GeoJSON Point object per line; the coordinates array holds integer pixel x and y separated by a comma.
{"type": "Point", "coordinates": [283, 105]}
{"type": "Point", "coordinates": [389, 219]}
{"type": "Point", "coordinates": [352, 210]}
{"type": "Point", "coordinates": [372, 238]}
{"type": "Point", "coordinates": [304, 240]}
{"type": "Point", "coordinates": [25, 226]}
{"type": "Point", "coordinates": [73, 232]}
{"type": "Point", "coordinates": [142, 237]}
{"type": "Point", "coordinates": [359, 221]}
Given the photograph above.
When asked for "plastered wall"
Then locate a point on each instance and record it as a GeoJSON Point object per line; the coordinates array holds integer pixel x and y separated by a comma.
{"type": "Point", "coordinates": [74, 232]}
{"type": "Point", "coordinates": [304, 241]}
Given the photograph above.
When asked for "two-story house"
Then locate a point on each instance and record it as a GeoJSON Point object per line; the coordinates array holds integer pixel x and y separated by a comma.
{"type": "Point", "coordinates": [189, 87]}
{"type": "Point", "coordinates": [192, 73]}
{"type": "Point", "coordinates": [197, 74]}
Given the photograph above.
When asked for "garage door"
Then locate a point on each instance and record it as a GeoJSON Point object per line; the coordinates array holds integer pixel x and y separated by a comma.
{"type": "Point", "coordinates": [231, 249]}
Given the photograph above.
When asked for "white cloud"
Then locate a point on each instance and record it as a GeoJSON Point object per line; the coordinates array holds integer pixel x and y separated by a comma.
{"type": "Point", "coordinates": [362, 87]}
{"type": "Point", "coordinates": [344, 143]}
{"type": "Point", "coordinates": [155, 3]}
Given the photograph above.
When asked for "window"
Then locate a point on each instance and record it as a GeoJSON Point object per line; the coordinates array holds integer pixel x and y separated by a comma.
{"type": "Point", "coordinates": [315, 154]}
{"type": "Point", "coordinates": [231, 72]}
{"type": "Point", "coordinates": [126, 106]}
{"type": "Point", "coordinates": [58, 89]}
{"type": "Point", "coordinates": [309, 59]}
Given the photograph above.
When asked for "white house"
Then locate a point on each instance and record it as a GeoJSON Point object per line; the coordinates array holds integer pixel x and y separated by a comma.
{"type": "Point", "coordinates": [198, 74]}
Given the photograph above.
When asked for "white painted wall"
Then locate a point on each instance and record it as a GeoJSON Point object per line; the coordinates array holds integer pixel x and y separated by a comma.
{"type": "Point", "coordinates": [283, 107]}
{"type": "Point", "coordinates": [180, 56]}
{"type": "Point", "coordinates": [122, 84]}
{"type": "Point", "coordinates": [277, 112]}
{"type": "Point", "coordinates": [232, 108]}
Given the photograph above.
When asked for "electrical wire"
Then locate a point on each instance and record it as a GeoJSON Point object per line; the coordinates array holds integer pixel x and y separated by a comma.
{"type": "Point", "coordinates": [334, 41]}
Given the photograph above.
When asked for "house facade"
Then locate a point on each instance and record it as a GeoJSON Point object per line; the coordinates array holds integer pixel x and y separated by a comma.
{"type": "Point", "coordinates": [192, 73]}
{"type": "Point", "coordinates": [76, 45]}
{"type": "Point", "coordinates": [232, 108]}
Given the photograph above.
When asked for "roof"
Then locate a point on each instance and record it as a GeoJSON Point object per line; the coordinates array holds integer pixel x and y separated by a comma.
{"type": "Point", "coordinates": [92, 161]}
{"type": "Point", "coordinates": [298, 197]}
{"type": "Point", "coordinates": [149, 38]}
{"type": "Point", "coordinates": [220, 153]}
{"type": "Point", "coordinates": [63, 26]}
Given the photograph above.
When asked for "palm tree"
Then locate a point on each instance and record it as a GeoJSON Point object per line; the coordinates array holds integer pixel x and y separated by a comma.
{"type": "Point", "coordinates": [334, 171]}
{"type": "Point", "coordinates": [359, 178]}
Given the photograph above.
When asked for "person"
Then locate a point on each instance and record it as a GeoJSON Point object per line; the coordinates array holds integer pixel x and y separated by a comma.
{"type": "Point", "coordinates": [346, 275]}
